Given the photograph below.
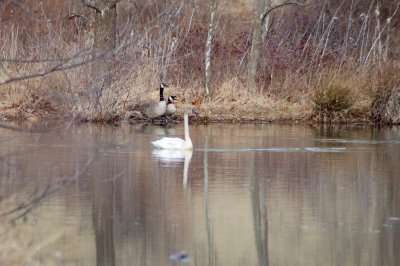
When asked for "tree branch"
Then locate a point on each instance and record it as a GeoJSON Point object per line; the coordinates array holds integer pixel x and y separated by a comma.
{"type": "Point", "coordinates": [285, 3]}
{"type": "Point", "coordinates": [99, 5]}
{"type": "Point", "coordinates": [63, 65]}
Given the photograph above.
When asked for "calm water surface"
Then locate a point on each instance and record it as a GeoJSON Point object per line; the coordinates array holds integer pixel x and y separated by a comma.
{"type": "Point", "coordinates": [246, 195]}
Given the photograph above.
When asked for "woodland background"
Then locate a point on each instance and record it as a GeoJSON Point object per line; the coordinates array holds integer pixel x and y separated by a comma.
{"type": "Point", "coordinates": [329, 61]}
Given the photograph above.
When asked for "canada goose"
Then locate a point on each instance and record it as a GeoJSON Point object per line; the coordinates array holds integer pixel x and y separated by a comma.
{"type": "Point", "coordinates": [176, 143]}
{"type": "Point", "coordinates": [156, 109]}
{"type": "Point", "coordinates": [171, 108]}
{"type": "Point", "coordinates": [149, 110]}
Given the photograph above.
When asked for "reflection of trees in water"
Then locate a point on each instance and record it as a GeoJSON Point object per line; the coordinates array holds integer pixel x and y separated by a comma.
{"type": "Point", "coordinates": [27, 167]}
{"type": "Point", "coordinates": [209, 230]}
{"type": "Point", "coordinates": [103, 213]}
{"type": "Point", "coordinates": [339, 200]}
{"type": "Point", "coordinates": [31, 176]}
{"type": "Point", "coordinates": [151, 209]}
{"type": "Point", "coordinates": [260, 219]}
{"type": "Point", "coordinates": [332, 207]}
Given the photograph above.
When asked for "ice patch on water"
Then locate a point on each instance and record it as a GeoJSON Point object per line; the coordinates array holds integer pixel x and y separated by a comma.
{"type": "Point", "coordinates": [333, 149]}
{"type": "Point", "coordinates": [360, 141]}
{"type": "Point", "coordinates": [276, 149]}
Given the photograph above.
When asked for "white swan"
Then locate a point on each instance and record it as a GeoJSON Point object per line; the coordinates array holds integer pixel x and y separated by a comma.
{"type": "Point", "coordinates": [176, 143]}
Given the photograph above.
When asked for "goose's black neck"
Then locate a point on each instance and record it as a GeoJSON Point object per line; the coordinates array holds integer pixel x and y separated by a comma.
{"type": "Point", "coordinates": [161, 93]}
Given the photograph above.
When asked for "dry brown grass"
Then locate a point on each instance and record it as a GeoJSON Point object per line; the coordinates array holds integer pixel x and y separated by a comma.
{"type": "Point", "coordinates": [289, 100]}
{"type": "Point", "coordinates": [385, 94]}
{"type": "Point", "coordinates": [31, 101]}
{"type": "Point", "coordinates": [232, 101]}
{"type": "Point", "coordinates": [63, 95]}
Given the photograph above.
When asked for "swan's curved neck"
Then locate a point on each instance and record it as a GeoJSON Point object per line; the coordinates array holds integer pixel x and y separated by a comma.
{"type": "Point", "coordinates": [161, 93]}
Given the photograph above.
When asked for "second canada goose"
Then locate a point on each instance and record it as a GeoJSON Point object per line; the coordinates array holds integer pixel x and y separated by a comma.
{"type": "Point", "coordinates": [156, 109]}
{"type": "Point", "coordinates": [176, 143]}
{"type": "Point", "coordinates": [171, 108]}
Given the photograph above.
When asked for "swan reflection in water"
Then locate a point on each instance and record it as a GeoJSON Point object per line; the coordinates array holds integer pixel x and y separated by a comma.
{"type": "Point", "coordinates": [174, 157]}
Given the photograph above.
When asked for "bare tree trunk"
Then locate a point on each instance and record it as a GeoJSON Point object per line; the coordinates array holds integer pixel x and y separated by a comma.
{"type": "Point", "coordinates": [207, 60]}
{"type": "Point", "coordinates": [378, 32]}
{"type": "Point", "coordinates": [105, 30]}
{"type": "Point", "coordinates": [377, 38]}
{"type": "Point", "coordinates": [387, 43]}
{"type": "Point", "coordinates": [263, 8]}
{"type": "Point", "coordinates": [258, 23]}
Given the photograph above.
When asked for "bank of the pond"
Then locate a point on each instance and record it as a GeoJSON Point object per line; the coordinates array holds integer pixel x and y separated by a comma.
{"type": "Point", "coordinates": [230, 103]}
{"type": "Point", "coordinates": [210, 112]}
{"type": "Point", "coordinates": [205, 115]}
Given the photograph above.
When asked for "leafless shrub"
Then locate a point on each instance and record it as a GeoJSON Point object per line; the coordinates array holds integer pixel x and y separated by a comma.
{"type": "Point", "coordinates": [385, 89]}
{"type": "Point", "coordinates": [51, 57]}
{"type": "Point", "coordinates": [332, 101]}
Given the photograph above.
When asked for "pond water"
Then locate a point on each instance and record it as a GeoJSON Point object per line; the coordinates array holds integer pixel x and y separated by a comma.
{"type": "Point", "coordinates": [246, 195]}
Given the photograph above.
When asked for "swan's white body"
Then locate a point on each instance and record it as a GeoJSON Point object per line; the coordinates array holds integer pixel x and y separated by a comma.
{"type": "Point", "coordinates": [176, 143]}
